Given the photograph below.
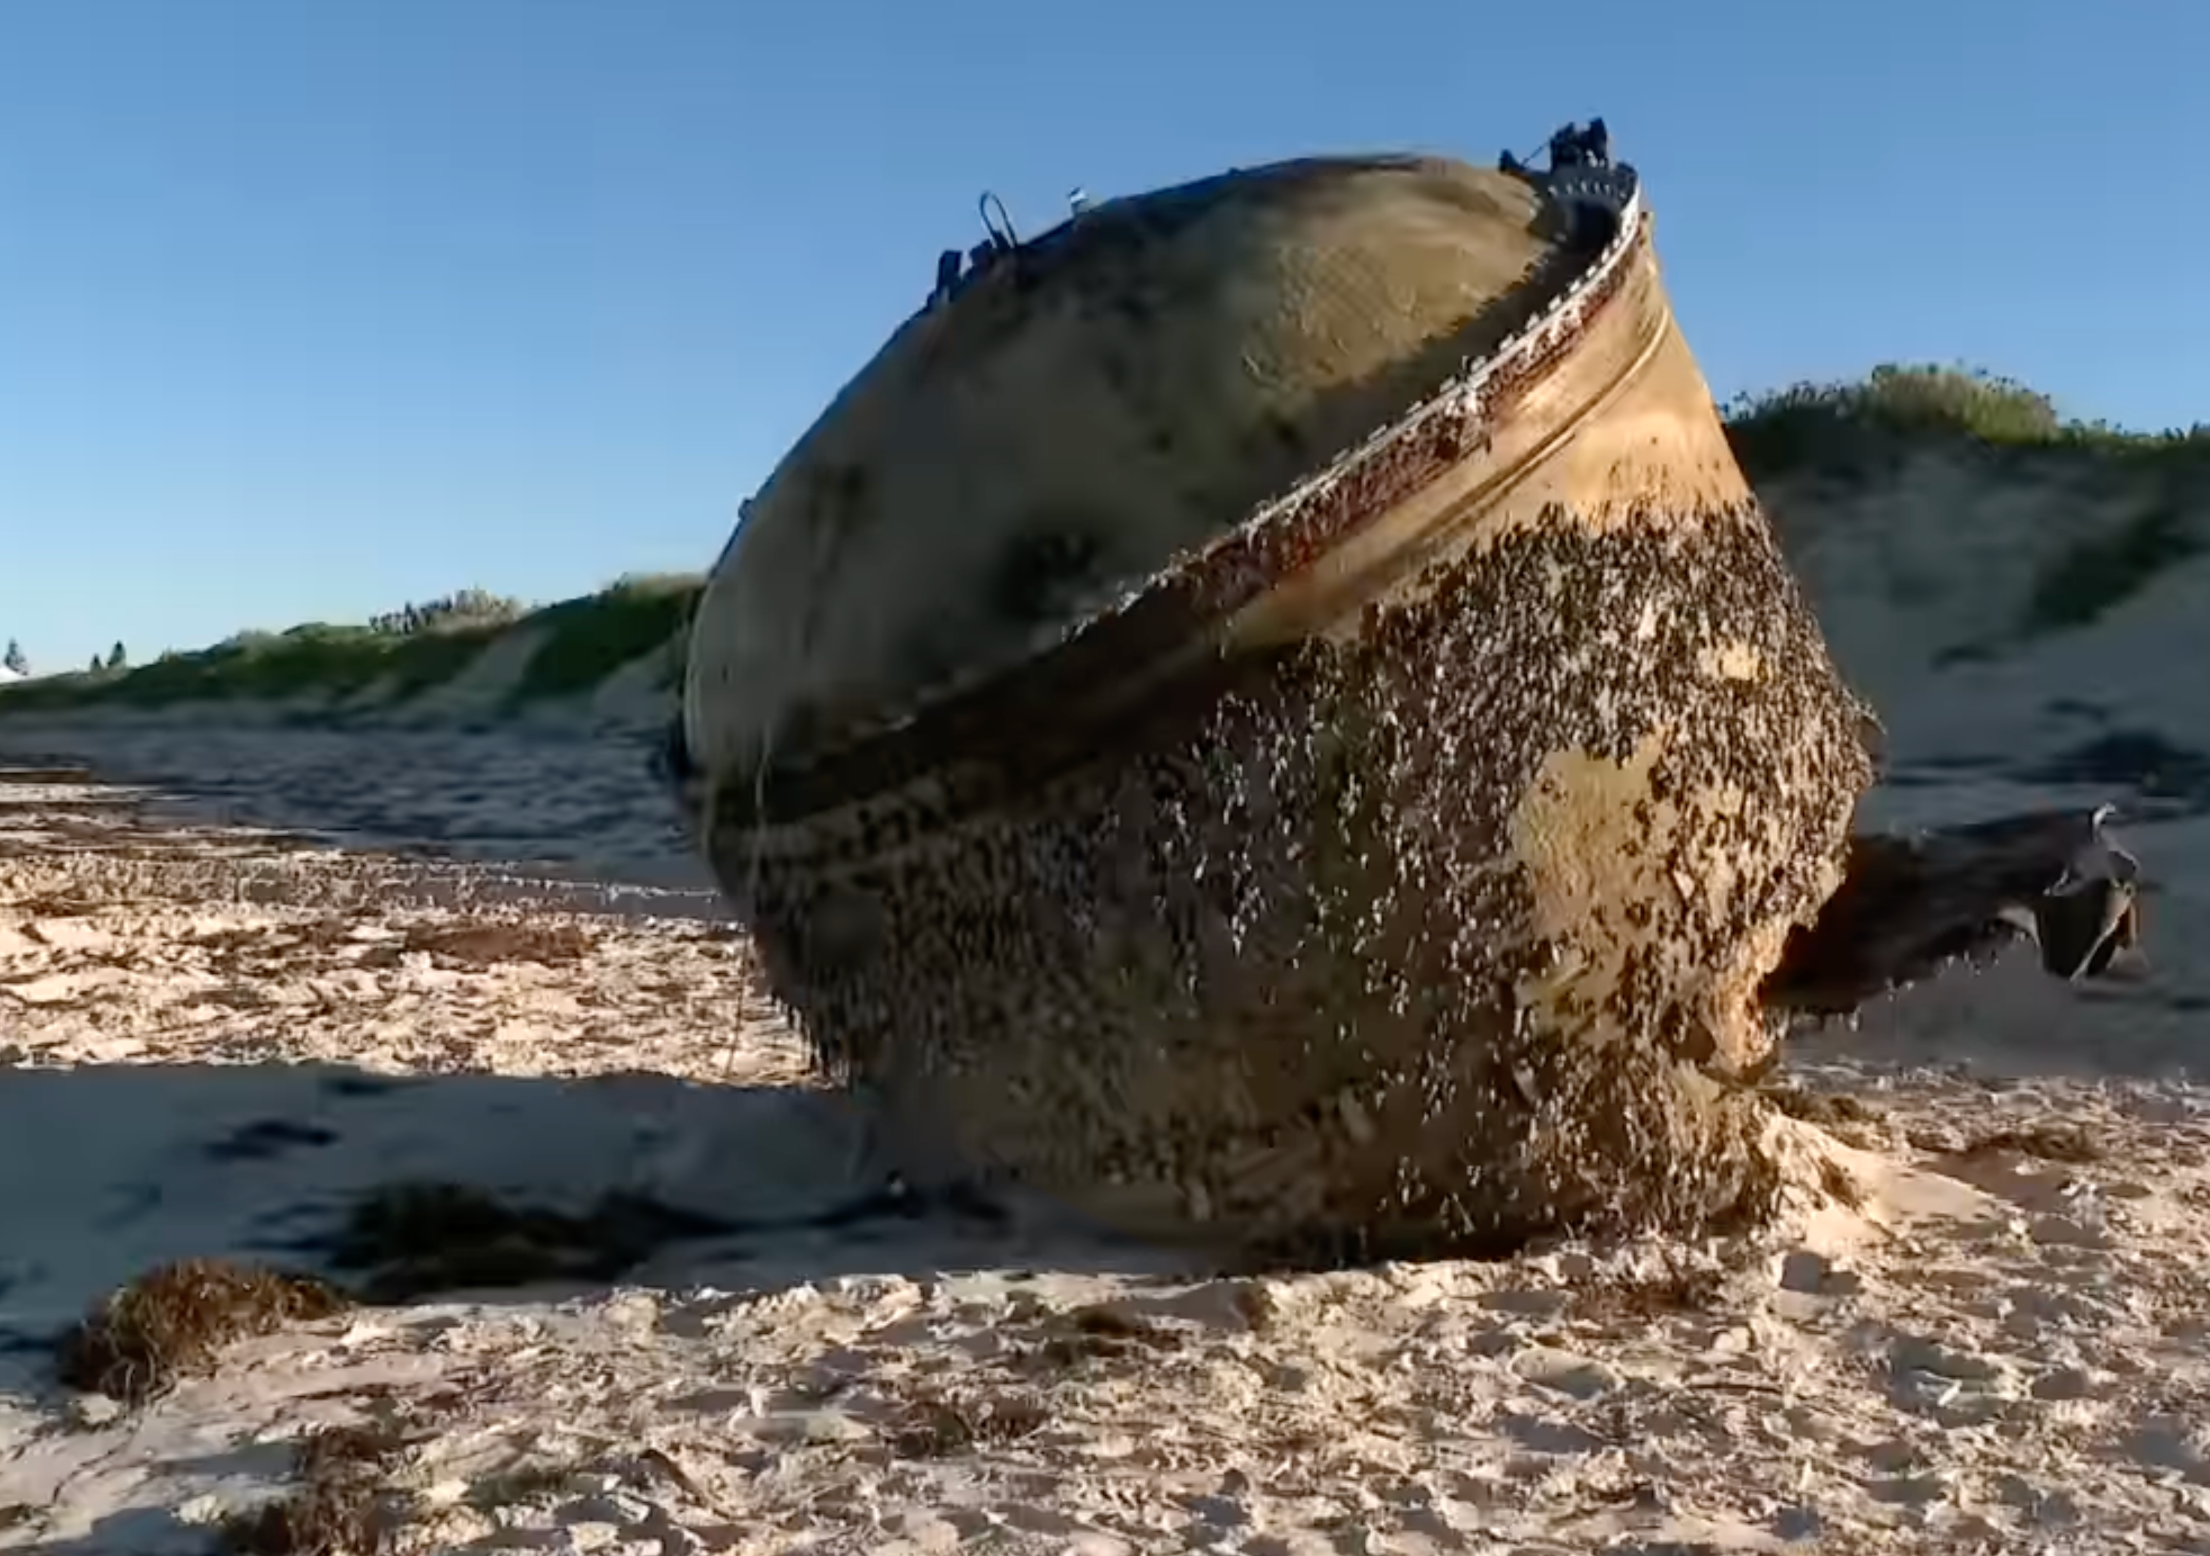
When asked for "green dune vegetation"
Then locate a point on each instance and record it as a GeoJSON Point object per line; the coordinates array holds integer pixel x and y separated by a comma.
{"type": "Point", "coordinates": [1855, 429]}
{"type": "Point", "coordinates": [1868, 434]}
{"type": "Point", "coordinates": [1850, 435]}
{"type": "Point", "coordinates": [387, 661]}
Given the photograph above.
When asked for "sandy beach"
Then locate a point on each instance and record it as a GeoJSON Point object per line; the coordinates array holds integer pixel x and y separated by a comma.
{"type": "Point", "coordinates": [225, 1035]}
{"type": "Point", "coordinates": [1318, 674]}
{"type": "Point", "coordinates": [267, 973]}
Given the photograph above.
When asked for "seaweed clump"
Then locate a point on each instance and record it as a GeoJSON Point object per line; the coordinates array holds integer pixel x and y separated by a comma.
{"type": "Point", "coordinates": [169, 1324]}
{"type": "Point", "coordinates": [408, 1240]}
{"type": "Point", "coordinates": [339, 1507]}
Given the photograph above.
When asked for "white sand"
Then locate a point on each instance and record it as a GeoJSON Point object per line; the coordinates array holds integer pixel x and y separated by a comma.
{"type": "Point", "coordinates": [221, 1036]}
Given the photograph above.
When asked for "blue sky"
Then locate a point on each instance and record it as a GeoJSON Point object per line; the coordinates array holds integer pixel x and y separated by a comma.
{"type": "Point", "coordinates": [307, 309]}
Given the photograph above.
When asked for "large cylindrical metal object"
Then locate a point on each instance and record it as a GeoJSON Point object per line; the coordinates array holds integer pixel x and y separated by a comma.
{"type": "Point", "coordinates": [1273, 715]}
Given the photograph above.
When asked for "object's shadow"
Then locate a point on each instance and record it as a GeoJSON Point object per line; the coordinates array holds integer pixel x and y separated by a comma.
{"type": "Point", "coordinates": [108, 1172]}
{"type": "Point", "coordinates": [133, 1529]}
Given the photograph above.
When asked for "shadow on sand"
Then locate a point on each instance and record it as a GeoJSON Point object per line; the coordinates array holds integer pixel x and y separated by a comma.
{"type": "Point", "coordinates": [106, 1173]}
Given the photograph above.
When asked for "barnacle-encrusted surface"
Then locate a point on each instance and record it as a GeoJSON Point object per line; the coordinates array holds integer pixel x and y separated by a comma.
{"type": "Point", "coordinates": [1399, 882]}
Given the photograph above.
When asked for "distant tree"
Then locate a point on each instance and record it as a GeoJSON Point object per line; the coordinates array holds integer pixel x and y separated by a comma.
{"type": "Point", "coordinates": [14, 659]}
{"type": "Point", "coordinates": [116, 658]}
{"type": "Point", "coordinates": [96, 667]}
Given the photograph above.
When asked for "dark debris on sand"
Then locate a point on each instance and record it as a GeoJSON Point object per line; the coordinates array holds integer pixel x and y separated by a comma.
{"type": "Point", "coordinates": [2068, 1144]}
{"type": "Point", "coordinates": [488, 944]}
{"type": "Point", "coordinates": [340, 1505]}
{"type": "Point", "coordinates": [169, 1324]}
{"type": "Point", "coordinates": [937, 1427]}
{"type": "Point", "coordinates": [409, 1240]}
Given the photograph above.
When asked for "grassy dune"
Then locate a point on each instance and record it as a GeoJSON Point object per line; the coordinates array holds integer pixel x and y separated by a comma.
{"type": "Point", "coordinates": [1852, 433]}
{"type": "Point", "coordinates": [580, 643]}
{"type": "Point", "coordinates": [1855, 430]}
{"type": "Point", "coordinates": [1861, 434]}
